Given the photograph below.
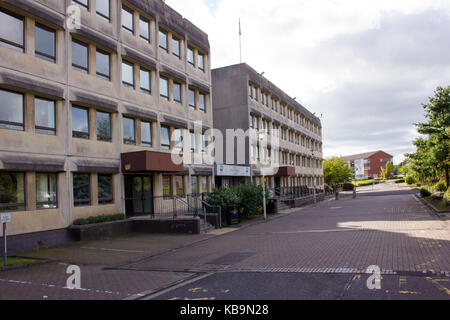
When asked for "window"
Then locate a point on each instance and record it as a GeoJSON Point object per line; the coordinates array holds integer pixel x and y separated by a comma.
{"type": "Point", "coordinates": [164, 88]}
{"type": "Point", "coordinates": [193, 142]}
{"type": "Point", "coordinates": [163, 40]}
{"type": "Point", "coordinates": [81, 189]}
{"type": "Point", "coordinates": [45, 43]}
{"type": "Point", "coordinates": [144, 29]}
{"type": "Point", "coordinates": [103, 8]}
{"type": "Point", "coordinates": [194, 184]}
{"type": "Point", "coordinates": [103, 65]}
{"type": "Point", "coordinates": [128, 131]}
{"type": "Point", "coordinates": [80, 123]}
{"type": "Point", "coordinates": [80, 56]}
{"type": "Point", "coordinates": [167, 186]}
{"type": "Point", "coordinates": [179, 185]}
{"type": "Point", "coordinates": [203, 138]}
{"type": "Point", "coordinates": [145, 81]}
{"type": "Point", "coordinates": [127, 19]}
{"type": "Point", "coordinates": [201, 61]}
{"type": "Point", "coordinates": [192, 102]}
{"type": "Point", "coordinates": [104, 126]}
{"type": "Point", "coordinates": [146, 134]}
{"type": "Point", "coordinates": [176, 46]}
{"type": "Point", "coordinates": [190, 55]}
{"type": "Point", "coordinates": [204, 184]}
{"type": "Point", "coordinates": [11, 110]}
{"type": "Point", "coordinates": [202, 102]}
{"type": "Point", "coordinates": [178, 137]}
{"type": "Point", "coordinates": [177, 93]}
{"type": "Point", "coordinates": [44, 114]}
{"type": "Point", "coordinates": [105, 189]}
{"type": "Point", "coordinates": [12, 195]}
{"type": "Point", "coordinates": [11, 31]}
{"type": "Point", "coordinates": [128, 75]}
{"type": "Point", "coordinates": [165, 138]}
{"type": "Point", "coordinates": [82, 3]}
{"type": "Point", "coordinates": [46, 194]}
{"type": "Point", "coordinates": [250, 91]}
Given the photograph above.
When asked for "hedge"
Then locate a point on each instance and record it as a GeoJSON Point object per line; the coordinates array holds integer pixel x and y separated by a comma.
{"type": "Point", "coordinates": [99, 219]}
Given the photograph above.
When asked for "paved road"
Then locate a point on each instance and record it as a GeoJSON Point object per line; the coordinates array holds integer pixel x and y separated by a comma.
{"type": "Point", "coordinates": [319, 252]}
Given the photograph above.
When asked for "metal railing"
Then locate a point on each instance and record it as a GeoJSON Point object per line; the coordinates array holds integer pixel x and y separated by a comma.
{"type": "Point", "coordinates": [289, 193]}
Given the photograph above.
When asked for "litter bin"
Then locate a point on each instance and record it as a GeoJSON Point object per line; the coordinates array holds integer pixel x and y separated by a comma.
{"type": "Point", "coordinates": [233, 215]}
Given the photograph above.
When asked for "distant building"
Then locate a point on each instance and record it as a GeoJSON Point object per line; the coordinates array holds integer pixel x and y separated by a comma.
{"type": "Point", "coordinates": [368, 164]}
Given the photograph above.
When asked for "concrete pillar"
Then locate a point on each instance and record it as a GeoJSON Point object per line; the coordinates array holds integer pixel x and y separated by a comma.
{"type": "Point", "coordinates": [92, 116]}
{"type": "Point", "coordinates": [94, 188]}
{"type": "Point", "coordinates": [30, 191]}
{"type": "Point", "coordinates": [29, 113]}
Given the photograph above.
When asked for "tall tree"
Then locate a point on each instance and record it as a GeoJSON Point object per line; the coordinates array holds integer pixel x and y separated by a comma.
{"type": "Point", "coordinates": [336, 171]}
{"type": "Point", "coordinates": [437, 130]}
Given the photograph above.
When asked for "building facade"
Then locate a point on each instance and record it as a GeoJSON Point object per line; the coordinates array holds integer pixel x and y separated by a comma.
{"type": "Point", "coordinates": [243, 99]}
{"type": "Point", "coordinates": [368, 164]}
{"type": "Point", "coordinates": [88, 115]}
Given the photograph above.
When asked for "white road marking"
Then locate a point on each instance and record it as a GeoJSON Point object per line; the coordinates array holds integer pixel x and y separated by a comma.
{"type": "Point", "coordinates": [112, 250]}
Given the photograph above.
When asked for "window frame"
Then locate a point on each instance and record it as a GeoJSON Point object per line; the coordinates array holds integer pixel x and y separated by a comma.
{"type": "Point", "coordinates": [55, 203]}
{"type": "Point", "coordinates": [201, 94]}
{"type": "Point", "coordinates": [125, 83]}
{"type": "Point", "coordinates": [76, 66]}
{"type": "Point", "coordinates": [129, 142]}
{"type": "Point", "coordinates": [148, 144]}
{"type": "Point", "coordinates": [163, 145]}
{"type": "Point", "coordinates": [201, 57]}
{"type": "Point", "coordinates": [182, 186]}
{"type": "Point", "coordinates": [147, 21]}
{"type": "Point", "coordinates": [166, 33]}
{"type": "Point", "coordinates": [178, 40]}
{"type": "Point", "coordinates": [104, 138]}
{"type": "Point", "coordinates": [179, 102]}
{"type": "Point", "coordinates": [194, 106]}
{"type": "Point", "coordinates": [82, 202]}
{"type": "Point", "coordinates": [105, 201]}
{"type": "Point", "coordinates": [20, 126]}
{"type": "Point", "coordinates": [88, 120]}
{"type": "Point", "coordinates": [190, 49]}
{"type": "Point", "coordinates": [99, 74]}
{"type": "Point", "coordinates": [16, 205]}
{"type": "Point", "coordinates": [85, 6]}
{"type": "Point", "coordinates": [42, 128]}
{"type": "Point", "coordinates": [145, 90]}
{"type": "Point", "coordinates": [108, 18]}
{"type": "Point", "coordinates": [161, 96]}
{"type": "Point", "coordinates": [41, 55]}
{"type": "Point", "coordinates": [165, 196]}
{"type": "Point", "coordinates": [130, 11]}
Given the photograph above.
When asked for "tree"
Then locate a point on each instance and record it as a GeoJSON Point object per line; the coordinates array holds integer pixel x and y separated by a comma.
{"type": "Point", "coordinates": [336, 171]}
{"type": "Point", "coordinates": [432, 156]}
{"type": "Point", "coordinates": [388, 171]}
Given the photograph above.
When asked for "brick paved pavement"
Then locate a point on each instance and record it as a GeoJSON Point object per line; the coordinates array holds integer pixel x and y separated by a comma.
{"type": "Point", "coordinates": [386, 227]}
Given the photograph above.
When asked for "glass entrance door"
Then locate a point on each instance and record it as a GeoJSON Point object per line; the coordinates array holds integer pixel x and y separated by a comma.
{"type": "Point", "coordinates": [138, 195]}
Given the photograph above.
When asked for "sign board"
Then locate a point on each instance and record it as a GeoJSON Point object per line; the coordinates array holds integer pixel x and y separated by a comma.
{"type": "Point", "coordinates": [5, 218]}
{"type": "Point", "coordinates": [232, 171]}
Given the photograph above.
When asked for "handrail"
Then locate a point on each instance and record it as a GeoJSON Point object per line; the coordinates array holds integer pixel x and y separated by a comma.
{"type": "Point", "coordinates": [206, 204]}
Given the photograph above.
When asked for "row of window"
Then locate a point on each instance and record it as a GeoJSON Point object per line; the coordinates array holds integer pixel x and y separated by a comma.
{"type": "Point", "coordinates": [283, 133]}
{"type": "Point", "coordinates": [264, 155]}
{"type": "Point", "coordinates": [143, 30]}
{"type": "Point", "coordinates": [284, 110]}
{"type": "Point", "coordinates": [12, 184]}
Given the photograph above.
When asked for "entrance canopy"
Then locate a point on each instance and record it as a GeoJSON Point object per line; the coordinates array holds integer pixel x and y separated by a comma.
{"type": "Point", "coordinates": [149, 161]}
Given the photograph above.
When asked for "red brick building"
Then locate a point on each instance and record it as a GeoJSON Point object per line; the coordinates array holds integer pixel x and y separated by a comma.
{"type": "Point", "coordinates": [368, 164]}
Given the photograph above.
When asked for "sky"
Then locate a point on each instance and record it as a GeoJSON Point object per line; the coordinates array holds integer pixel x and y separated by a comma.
{"type": "Point", "coordinates": [366, 66]}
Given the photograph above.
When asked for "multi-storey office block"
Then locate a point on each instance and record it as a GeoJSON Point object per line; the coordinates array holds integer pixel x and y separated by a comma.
{"type": "Point", "coordinates": [88, 112]}
{"type": "Point", "coordinates": [244, 99]}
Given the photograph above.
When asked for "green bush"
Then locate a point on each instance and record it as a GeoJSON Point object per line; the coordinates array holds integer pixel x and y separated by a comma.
{"type": "Point", "coordinates": [250, 198]}
{"type": "Point", "coordinates": [441, 186]}
{"type": "Point", "coordinates": [400, 181]}
{"type": "Point", "coordinates": [447, 197]}
{"type": "Point", "coordinates": [99, 219]}
{"type": "Point", "coordinates": [410, 180]}
{"type": "Point", "coordinates": [223, 197]}
{"type": "Point", "coordinates": [424, 192]}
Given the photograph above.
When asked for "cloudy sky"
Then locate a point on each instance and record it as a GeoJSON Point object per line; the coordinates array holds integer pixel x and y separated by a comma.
{"type": "Point", "coordinates": [365, 65]}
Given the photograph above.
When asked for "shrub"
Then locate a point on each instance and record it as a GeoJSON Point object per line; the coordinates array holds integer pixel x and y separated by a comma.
{"type": "Point", "coordinates": [424, 192]}
{"type": "Point", "coordinates": [410, 180]}
{"type": "Point", "coordinates": [400, 181]}
{"type": "Point", "coordinates": [348, 186]}
{"type": "Point", "coordinates": [441, 186]}
{"type": "Point", "coordinates": [438, 195]}
{"type": "Point", "coordinates": [250, 198]}
{"type": "Point", "coordinates": [447, 197]}
{"type": "Point", "coordinates": [99, 219]}
{"type": "Point", "coordinates": [223, 197]}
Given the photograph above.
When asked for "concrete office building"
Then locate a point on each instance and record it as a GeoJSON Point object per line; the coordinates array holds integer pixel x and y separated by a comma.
{"type": "Point", "coordinates": [368, 164]}
{"type": "Point", "coordinates": [244, 99]}
{"type": "Point", "coordinates": [87, 115]}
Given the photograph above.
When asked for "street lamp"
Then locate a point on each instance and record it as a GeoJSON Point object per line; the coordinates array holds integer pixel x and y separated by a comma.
{"type": "Point", "coordinates": [314, 179]}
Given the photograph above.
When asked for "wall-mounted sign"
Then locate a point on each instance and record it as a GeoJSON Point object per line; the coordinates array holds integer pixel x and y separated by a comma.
{"type": "Point", "coordinates": [5, 218]}
{"type": "Point", "coordinates": [232, 171]}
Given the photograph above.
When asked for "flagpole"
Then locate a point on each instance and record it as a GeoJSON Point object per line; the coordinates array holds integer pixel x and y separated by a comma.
{"type": "Point", "coordinates": [240, 42]}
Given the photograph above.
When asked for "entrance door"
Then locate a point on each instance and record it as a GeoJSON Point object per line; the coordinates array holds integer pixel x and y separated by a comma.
{"type": "Point", "coordinates": [138, 195]}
